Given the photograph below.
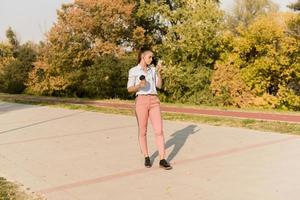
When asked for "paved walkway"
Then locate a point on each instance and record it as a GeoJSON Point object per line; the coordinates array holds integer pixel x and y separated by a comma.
{"type": "Point", "coordinates": [293, 118]}
{"type": "Point", "coordinates": [80, 155]}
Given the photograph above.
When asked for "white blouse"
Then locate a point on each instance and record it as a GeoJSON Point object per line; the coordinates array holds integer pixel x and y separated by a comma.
{"type": "Point", "coordinates": [150, 76]}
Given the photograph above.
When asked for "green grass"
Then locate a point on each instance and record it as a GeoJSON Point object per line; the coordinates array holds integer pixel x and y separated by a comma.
{"type": "Point", "coordinates": [232, 108]}
{"type": "Point", "coordinates": [12, 191]}
{"type": "Point", "coordinates": [267, 126]}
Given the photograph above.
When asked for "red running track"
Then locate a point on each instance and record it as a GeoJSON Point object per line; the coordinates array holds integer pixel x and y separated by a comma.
{"type": "Point", "coordinates": [211, 112]}
{"type": "Point", "coordinates": [292, 118]}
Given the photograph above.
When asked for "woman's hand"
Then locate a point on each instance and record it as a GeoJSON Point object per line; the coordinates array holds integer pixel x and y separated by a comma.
{"type": "Point", "coordinates": [159, 69]}
{"type": "Point", "coordinates": [137, 87]}
{"type": "Point", "coordinates": [142, 83]}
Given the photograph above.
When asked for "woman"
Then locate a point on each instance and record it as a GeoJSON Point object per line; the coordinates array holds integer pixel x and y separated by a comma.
{"type": "Point", "coordinates": [143, 80]}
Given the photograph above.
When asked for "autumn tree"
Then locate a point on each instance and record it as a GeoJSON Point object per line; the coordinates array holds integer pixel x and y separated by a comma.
{"type": "Point", "coordinates": [228, 86]}
{"type": "Point", "coordinates": [294, 22]}
{"type": "Point", "coordinates": [266, 59]}
{"type": "Point", "coordinates": [86, 30]}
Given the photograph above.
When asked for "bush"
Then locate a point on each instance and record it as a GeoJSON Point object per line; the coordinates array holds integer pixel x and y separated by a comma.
{"type": "Point", "coordinates": [14, 74]}
{"type": "Point", "coordinates": [107, 78]}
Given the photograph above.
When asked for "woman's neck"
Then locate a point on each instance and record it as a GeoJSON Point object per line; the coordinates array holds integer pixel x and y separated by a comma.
{"type": "Point", "coordinates": [143, 65]}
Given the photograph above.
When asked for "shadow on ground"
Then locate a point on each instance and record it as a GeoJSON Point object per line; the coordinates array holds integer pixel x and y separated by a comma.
{"type": "Point", "coordinates": [177, 141]}
{"type": "Point", "coordinates": [9, 107]}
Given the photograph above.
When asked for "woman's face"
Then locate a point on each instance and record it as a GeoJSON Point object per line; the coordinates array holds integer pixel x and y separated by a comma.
{"type": "Point", "coordinates": [148, 56]}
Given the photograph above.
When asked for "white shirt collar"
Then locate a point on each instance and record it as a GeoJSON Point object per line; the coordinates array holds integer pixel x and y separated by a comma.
{"type": "Point", "coordinates": [140, 67]}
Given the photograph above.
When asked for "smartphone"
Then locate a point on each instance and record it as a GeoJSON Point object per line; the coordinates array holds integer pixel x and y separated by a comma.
{"type": "Point", "coordinates": [160, 62]}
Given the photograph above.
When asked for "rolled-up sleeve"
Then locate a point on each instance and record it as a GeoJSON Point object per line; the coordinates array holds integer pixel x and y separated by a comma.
{"type": "Point", "coordinates": [131, 79]}
{"type": "Point", "coordinates": [156, 78]}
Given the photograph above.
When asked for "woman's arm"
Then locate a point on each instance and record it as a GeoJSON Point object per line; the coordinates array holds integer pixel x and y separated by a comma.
{"type": "Point", "coordinates": [135, 88]}
{"type": "Point", "coordinates": [159, 79]}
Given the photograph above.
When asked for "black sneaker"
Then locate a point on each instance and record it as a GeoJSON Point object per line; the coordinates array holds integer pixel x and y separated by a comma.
{"type": "Point", "coordinates": [147, 162]}
{"type": "Point", "coordinates": [164, 164]}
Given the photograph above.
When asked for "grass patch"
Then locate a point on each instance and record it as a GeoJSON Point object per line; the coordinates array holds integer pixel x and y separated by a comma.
{"type": "Point", "coordinates": [267, 126]}
{"type": "Point", "coordinates": [12, 191]}
{"type": "Point", "coordinates": [232, 108]}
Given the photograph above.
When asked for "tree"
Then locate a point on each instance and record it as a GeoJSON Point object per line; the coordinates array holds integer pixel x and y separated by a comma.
{"type": "Point", "coordinates": [266, 59]}
{"type": "Point", "coordinates": [15, 64]}
{"type": "Point", "coordinates": [107, 78]}
{"type": "Point", "coordinates": [12, 38]}
{"type": "Point", "coordinates": [228, 86]}
{"type": "Point", "coordinates": [6, 55]}
{"type": "Point", "coordinates": [294, 23]}
{"type": "Point", "coordinates": [86, 30]}
{"type": "Point", "coordinates": [189, 50]}
{"type": "Point", "coordinates": [153, 18]}
{"type": "Point", "coordinates": [246, 11]}
{"type": "Point", "coordinates": [295, 6]}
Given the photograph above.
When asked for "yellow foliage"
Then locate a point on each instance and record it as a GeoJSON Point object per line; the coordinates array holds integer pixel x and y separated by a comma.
{"type": "Point", "coordinates": [228, 84]}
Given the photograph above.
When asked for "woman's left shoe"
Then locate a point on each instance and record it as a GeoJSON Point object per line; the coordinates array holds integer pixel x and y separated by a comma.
{"type": "Point", "coordinates": [147, 162]}
{"type": "Point", "coordinates": [164, 164]}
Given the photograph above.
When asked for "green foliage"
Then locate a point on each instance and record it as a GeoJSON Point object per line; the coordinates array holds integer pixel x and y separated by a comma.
{"type": "Point", "coordinates": [16, 63]}
{"type": "Point", "coordinates": [7, 191]}
{"type": "Point", "coordinates": [107, 77]}
{"type": "Point", "coordinates": [190, 51]}
{"type": "Point", "coordinates": [295, 6]}
{"type": "Point", "coordinates": [149, 25]}
{"type": "Point", "coordinates": [13, 78]}
{"type": "Point", "coordinates": [152, 19]}
{"type": "Point", "coordinates": [12, 38]}
{"type": "Point", "coordinates": [12, 191]}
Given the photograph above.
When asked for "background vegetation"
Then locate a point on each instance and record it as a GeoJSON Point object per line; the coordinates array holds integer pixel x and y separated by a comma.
{"type": "Point", "coordinates": [249, 57]}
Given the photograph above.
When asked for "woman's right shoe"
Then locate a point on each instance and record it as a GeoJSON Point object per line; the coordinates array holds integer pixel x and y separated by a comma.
{"type": "Point", "coordinates": [147, 162]}
{"type": "Point", "coordinates": [164, 164]}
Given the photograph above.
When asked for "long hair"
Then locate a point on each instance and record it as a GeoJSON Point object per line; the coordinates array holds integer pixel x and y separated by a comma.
{"type": "Point", "coordinates": [141, 51]}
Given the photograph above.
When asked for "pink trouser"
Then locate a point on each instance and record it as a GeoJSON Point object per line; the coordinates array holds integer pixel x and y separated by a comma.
{"type": "Point", "coordinates": [149, 107]}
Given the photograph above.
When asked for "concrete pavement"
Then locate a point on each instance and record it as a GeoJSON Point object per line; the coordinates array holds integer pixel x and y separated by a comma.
{"type": "Point", "coordinates": [73, 154]}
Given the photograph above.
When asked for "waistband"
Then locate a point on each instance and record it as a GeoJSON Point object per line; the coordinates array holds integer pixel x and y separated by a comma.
{"type": "Point", "coordinates": [146, 95]}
